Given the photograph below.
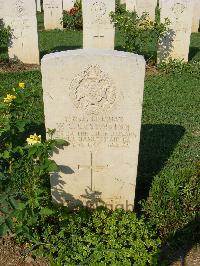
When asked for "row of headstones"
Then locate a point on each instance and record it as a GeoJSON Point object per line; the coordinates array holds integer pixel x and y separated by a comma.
{"type": "Point", "coordinates": [53, 11]}
{"type": "Point", "coordinates": [98, 31]}
{"type": "Point", "coordinates": [93, 98]}
{"type": "Point", "coordinates": [149, 6]}
{"type": "Point", "coordinates": [66, 4]}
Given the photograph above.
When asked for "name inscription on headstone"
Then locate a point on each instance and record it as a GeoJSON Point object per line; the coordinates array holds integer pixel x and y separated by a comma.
{"type": "Point", "coordinates": [95, 130]}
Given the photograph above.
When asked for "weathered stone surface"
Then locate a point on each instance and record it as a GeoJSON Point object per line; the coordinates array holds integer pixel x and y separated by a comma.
{"type": "Point", "coordinates": [2, 11]}
{"type": "Point", "coordinates": [131, 5]}
{"type": "Point", "coordinates": [93, 98]}
{"type": "Point", "coordinates": [53, 14]}
{"type": "Point", "coordinates": [175, 44]}
{"type": "Point", "coordinates": [20, 15]}
{"type": "Point", "coordinates": [196, 16]}
{"type": "Point", "coordinates": [68, 4]}
{"type": "Point", "coordinates": [38, 5]}
{"type": "Point", "coordinates": [98, 31]}
{"type": "Point", "coordinates": [148, 6]}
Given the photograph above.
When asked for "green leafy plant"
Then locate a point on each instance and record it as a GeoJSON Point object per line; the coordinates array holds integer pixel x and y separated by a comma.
{"type": "Point", "coordinates": [4, 34]}
{"type": "Point", "coordinates": [139, 34]}
{"type": "Point", "coordinates": [24, 166]}
{"type": "Point", "coordinates": [99, 237]}
{"type": "Point", "coordinates": [72, 19]}
{"type": "Point", "coordinates": [174, 66]}
{"type": "Point", "coordinates": [174, 200]}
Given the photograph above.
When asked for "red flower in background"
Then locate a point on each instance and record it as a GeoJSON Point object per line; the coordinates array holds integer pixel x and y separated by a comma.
{"type": "Point", "coordinates": [73, 11]}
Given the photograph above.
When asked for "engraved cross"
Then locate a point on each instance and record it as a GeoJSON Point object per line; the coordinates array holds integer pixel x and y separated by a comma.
{"type": "Point", "coordinates": [92, 168]}
{"type": "Point", "coordinates": [98, 36]}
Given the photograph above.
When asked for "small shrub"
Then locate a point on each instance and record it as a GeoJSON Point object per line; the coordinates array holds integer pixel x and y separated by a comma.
{"type": "Point", "coordinates": [174, 66]}
{"type": "Point", "coordinates": [100, 237]}
{"type": "Point", "coordinates": [23, 166]}
{"type": "Point", "coordinates": [174, 201]}
{"type": "Point", "coordinates": [139, 34]}
{"type": "Point", "coordinates": [4, 35]}
{"type": "Point", "coordinates": [72, 19]}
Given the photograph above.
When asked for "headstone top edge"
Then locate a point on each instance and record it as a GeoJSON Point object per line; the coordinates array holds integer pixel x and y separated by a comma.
{"type": "Point", "coordinates": [91, 52]}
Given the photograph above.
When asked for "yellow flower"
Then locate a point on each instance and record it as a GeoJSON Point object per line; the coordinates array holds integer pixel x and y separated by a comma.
{"type": "Point", "coordinates": [33, 139]}
{"type": "Point", "coordinates": [21, 85]}
{"type": "Point", "coordinates": [9, 98]}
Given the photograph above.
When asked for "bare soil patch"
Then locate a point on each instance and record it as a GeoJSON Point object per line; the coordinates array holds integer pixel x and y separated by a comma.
{"type": "Point", "coordinates": [13, 255]}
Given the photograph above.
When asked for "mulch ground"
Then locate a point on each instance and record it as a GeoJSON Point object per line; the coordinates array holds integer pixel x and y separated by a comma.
{"type": "Point", "coordinates": [13, 255]}
{"type": "Point", "coordinates": [20, 67]}
{"type": "Point", "coordinates": [17, 67]}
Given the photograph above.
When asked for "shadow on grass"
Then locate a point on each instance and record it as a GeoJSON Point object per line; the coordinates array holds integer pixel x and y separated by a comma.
{"type": "Point", "coordinates": [193, 51]}
{"type": "Point", "coordinates": [179, 245]}
{"type": "Point", "coordinates": [156, 145]}
{"type": "Point", "coordinates": [59, 49]}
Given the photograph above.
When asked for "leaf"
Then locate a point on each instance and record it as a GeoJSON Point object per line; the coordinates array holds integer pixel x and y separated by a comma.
{"type": "Point", "coordinates": [6, 154]}
{"type": "Point", "coordinates": [21, 206]}
{"type": "Point", "coordinates": [3, 229]}
{"type": "Point", "coordinates": [2, 177]}
{"type": "Point", "coordinates": [51, 166]}
{"type": "Point", "coordinates": [9, 224]}
{"type": "Point", "coordinates": [12, 202]}
{"type": "Point", "coordinates": [46, 212]}
{"type": "Point", "coordinates": [20, 125]}
{"type": "Point", "coordinates": [61, 142]}
{"type": "Point", "coordinates": [2, 220]}
{"type": "Point", "coordinates": [32, 151]}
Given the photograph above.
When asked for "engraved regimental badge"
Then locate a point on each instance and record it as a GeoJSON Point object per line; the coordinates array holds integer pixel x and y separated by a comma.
{"type": "Point", "coordinates": [98, 11]}
{"type": "Point", "coordinates": [178, 9]}
{"type": "Point", "coordinates": [92, 91]}
{"type": "Point", "coordinates": [20, 8]}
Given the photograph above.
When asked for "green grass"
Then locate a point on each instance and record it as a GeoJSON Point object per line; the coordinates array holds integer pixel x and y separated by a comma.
{"type": "Point", "coordinates": [170, 125]}
{"type": "Point", "coordinates": [170, 131]}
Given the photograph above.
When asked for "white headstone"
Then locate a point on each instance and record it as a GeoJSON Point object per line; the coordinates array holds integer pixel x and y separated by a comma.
{"type": "Point", "coordinates": [38, 5]}
{"type": "Point", "coordinates": [122, 1]}
{"type": "Point", "coordinates": [148, 6]}
{"type": "Point", "coordinates": [196, 16]}
{"type": "Point", "coordinates": [175, 44]}
{"type": "Point", "coordinates": [93, 98]}
{"type": "Point", "coordinates": [68, 4]}
{"type": "Point", "coordinates": [131, 5]}
{"type": "Point", "coordinates": [20, 15]}
{"type": "Point", "coordinates": [98, 31]}
{"type": "Point", "coordinates": [53, 14]}
{"type": "Point", "coordinates": [2, 11]}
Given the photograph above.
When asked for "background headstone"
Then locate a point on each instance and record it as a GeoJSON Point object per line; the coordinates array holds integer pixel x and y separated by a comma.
{"type": "Point", "coordinates": [38, 5]}
{"type": "Point", "coordinates": [98, 31]}
{"type": "Point", "coordinates": [53, 14]}
{"type": "Point", "coordinates": [2, 11]}
{"type": "Point", "coordinates": [196, 15]}
{"type": "Point", "coordinates": [68, 4]}
{"type": "Point", "coordinates": [130, 5]}
{"type": "Point", "coordinates": [20, 15]}
{"type": "Point", "coordinates": [175, 44]}
{"type": "Point", "coordinates": [93, 98]}
{"type": "Point", "coordinates": [148, 6]}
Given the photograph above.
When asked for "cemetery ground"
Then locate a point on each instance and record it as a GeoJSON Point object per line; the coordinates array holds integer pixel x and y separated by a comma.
{"type": "Point", "coordinates": [169, 147]}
